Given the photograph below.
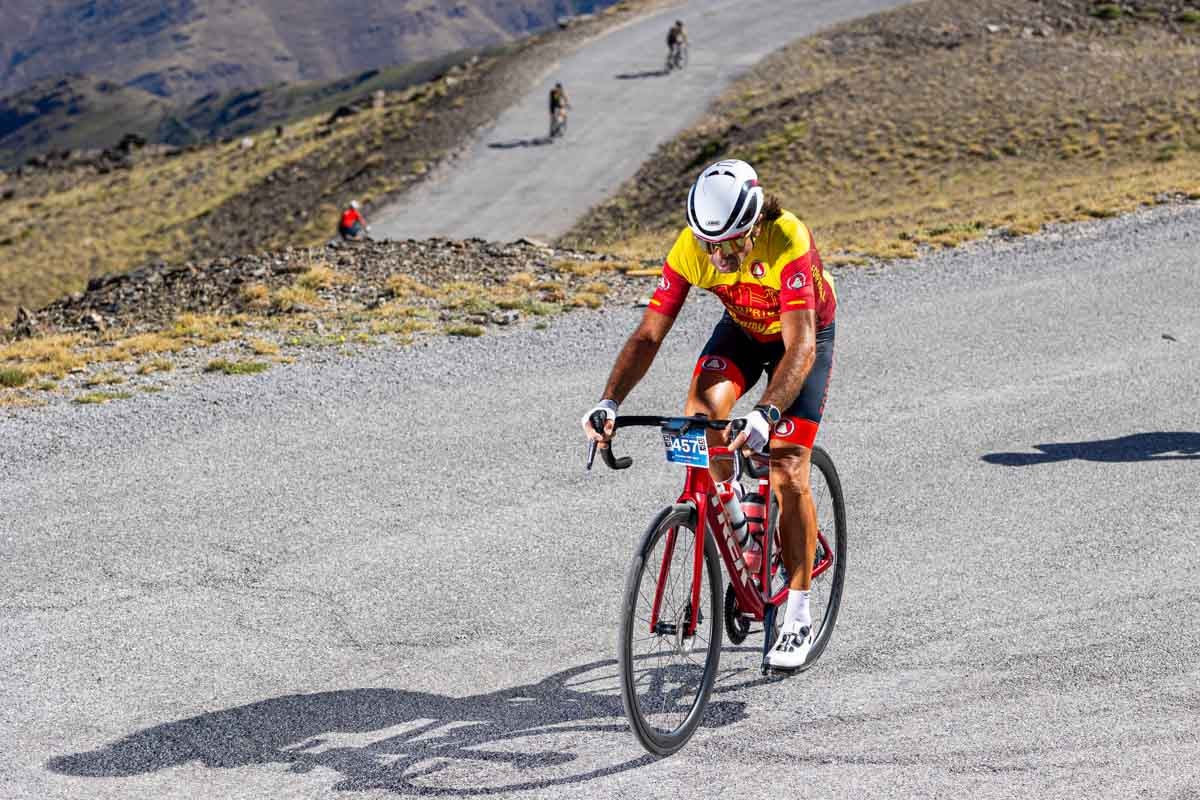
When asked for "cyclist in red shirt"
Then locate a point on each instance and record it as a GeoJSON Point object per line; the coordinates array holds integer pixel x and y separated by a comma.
{"type": "Point", "coordinates": [779, 320]}
{"type": "Point", "coordinates": [353, 224]}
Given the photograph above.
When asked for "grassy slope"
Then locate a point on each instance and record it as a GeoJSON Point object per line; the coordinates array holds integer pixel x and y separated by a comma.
{"type": "Point", "coordinates": [922, 127]}
{"type": "Point", "coordinates": [82, 226]}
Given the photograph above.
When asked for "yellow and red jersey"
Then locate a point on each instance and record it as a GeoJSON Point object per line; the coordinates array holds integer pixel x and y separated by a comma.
{"type": "Point", "coordinates": [782, 273]}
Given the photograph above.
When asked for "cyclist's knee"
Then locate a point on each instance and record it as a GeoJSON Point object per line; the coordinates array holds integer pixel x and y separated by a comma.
{"type": "Point", "coordinates": [790, 469]}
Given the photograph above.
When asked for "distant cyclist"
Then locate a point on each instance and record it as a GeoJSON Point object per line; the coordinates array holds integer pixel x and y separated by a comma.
{"type": "Point", "coordinates": [559, 103]}
{"type": "Point", "coordinates": [353, 225]}
{"type": "Point", "coordinates": [676, 44]}
{"type": "Point", "coordinates": [779, 318]}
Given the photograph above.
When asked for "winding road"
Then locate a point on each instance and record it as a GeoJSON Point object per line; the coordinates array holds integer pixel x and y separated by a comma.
{"type": "Point", "coordinates": [512, 183]}
{"type": "Point", "coordinates": [389, 575]}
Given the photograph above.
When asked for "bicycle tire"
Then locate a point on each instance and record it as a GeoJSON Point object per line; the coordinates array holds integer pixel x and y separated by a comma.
{"type": "Point", "coordinates": [822, 463]}
{"type": "Point", "coordinates": [663, 742]}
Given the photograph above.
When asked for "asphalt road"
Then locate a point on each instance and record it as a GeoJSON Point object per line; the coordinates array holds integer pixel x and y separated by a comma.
{"type": "Point", "coordinates": [512, 182]}
{"type": "Point", "coordinates": [389, 575]}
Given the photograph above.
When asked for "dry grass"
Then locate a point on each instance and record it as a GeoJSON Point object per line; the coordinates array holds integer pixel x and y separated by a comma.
{"type": "Point", "coordinates": [53, 356]}
{"type": "Point", "coordinates": [886, 144]}
{"type": "Point", "coordinates": [157, 365]}
{"type": "Point", "coordinates": [141, 345]}
{"type": "Point", "coordinates": [263, 347]}
{"type": "Point", "coordinates": [236, 367]}
{"type": "Point", "coordinates": [464, 329]}
{"type": "Point", "coordinates": [106, 378]}
{"type": "Point", "coordinates": [256, 296]}
{"type": "Point", "coordinates": [587, 299]}
{"type": "Point", "coordinates": [321, 276]}
{"type": "Point", "coordinates": [404, 286]}
{"type": "Point", "coordinates": [203, 328]}
{"type": "Point", "coordinates": [95, 398]}
{"type": "Point", "coordinates": [290, 299]}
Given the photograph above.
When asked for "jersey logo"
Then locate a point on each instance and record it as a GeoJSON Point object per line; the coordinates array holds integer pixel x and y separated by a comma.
{"type": "Point", "coordinates": [714, 364]}
{"type": "Point", "coordinates": [797, 281]}
{"type": "Point", "coordinates": [785, 428]}
{"type": "Point", "coordinates": [757, 269]}
{"type": "Point", "coordinates": [663, 283]}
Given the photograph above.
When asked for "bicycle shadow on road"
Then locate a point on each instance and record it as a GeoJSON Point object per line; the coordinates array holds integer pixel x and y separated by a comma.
{"type": "Point", "coordinates": [649, 73]}
{"type": "Point", "coordinates": [1157, 446]}
{"type": "Point", "coordinates": [541, 141]}
{"type": "Point", "coordinates": [522, 738]}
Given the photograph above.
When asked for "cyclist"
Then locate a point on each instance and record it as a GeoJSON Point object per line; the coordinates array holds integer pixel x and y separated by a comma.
{"type": "Point", "coordinates": [353, 225]}
{"type": "Point", "coordinates": [676, 41]}
{"type": "Point", "coordinates": [559, 103]}
{"type": "Point", "coordinates": [779, 318]}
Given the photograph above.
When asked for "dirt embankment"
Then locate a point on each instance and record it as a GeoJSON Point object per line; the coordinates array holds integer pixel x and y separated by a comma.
{"type": "Point", "coordinates": [144, 330]}
{"type": "Point", "coordinates": [942, 121]}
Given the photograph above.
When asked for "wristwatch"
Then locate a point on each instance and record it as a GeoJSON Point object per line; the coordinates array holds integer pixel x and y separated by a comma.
{"type": "Point", "coordinates": [770, 413]}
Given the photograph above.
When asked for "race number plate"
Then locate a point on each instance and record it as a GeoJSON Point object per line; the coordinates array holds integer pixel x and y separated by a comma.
{"type": "Point", "coordinates": [689, 448]}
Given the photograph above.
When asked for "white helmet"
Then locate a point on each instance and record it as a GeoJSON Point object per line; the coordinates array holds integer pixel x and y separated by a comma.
{"type": "Point", "coordinates": [354, 204]}
{"type": "Point", "coordinates": [725, 201]}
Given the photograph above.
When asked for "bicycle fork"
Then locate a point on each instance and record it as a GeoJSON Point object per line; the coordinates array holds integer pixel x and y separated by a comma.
{"type": "Point", "coordinates": [672, 628]}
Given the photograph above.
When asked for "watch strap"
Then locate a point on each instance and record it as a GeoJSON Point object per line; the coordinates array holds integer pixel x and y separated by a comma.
{"type": "Point", "coordinates": [770, 413]}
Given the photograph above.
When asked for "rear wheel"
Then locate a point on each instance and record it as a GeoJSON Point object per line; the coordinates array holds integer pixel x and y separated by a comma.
{"type": "Point", "coordinates": [668, 669]}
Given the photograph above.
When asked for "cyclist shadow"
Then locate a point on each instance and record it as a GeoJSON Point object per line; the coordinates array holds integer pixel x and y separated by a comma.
{"type": "Point", "coordinates": [1157, 446]}
{"type": "Point", "coordinates": [514, 143]}
{"type": "Point", "coordinates": [649, 73]}
{"type": "Point", "coordinates": [394, 740]}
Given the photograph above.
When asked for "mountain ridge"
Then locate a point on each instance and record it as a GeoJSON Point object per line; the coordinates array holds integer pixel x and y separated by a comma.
{"type": "Point", "coordinates": [184, 49]}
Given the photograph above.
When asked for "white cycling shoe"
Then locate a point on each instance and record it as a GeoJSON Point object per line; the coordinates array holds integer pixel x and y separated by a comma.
{"type": "Point", "coordinates": [791, 651]}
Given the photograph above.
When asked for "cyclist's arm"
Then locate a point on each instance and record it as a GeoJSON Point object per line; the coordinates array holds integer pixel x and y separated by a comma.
{"type": "Point", "coordinates": [638, 353]}
{"type": "Point", "coordinates": [799, 330]}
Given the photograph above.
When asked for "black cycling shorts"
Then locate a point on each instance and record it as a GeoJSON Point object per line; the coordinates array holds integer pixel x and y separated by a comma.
{"type": "Point", "coordinates": [738, 357]}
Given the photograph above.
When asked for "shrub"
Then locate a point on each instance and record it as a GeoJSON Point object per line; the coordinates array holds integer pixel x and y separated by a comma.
{"type": "Point", "coordinates": [12, 377]}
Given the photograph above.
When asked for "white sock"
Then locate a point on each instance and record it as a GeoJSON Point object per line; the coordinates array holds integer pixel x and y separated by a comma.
{"type": "Point", "coordinates": [797, 609]}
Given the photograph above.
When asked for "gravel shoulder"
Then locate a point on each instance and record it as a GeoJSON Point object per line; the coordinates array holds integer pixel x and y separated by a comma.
{"type": "Point", "coordinates": [272, 587]}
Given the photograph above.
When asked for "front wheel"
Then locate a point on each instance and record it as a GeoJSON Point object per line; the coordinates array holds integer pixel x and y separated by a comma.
{"type": "Point", "coordinates": [829, 566]}
{"type": "Point", "coordinates": [667, 666]}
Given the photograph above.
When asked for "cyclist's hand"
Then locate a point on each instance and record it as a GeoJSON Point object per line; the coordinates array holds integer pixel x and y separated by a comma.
{"type": "Point", "coordinates": [752, 430]}
{"type": "Point", "coordinates": [608, 409]}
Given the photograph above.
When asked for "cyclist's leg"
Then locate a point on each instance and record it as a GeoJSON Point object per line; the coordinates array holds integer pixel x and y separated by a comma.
{"type": "Point", "coordinates": [726, 368]}
{"type": "Point", "coordinates": [791, 456]}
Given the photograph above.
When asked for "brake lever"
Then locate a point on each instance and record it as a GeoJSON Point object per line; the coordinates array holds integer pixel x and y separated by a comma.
{"type": "Point", "coordinates": [597, 419]}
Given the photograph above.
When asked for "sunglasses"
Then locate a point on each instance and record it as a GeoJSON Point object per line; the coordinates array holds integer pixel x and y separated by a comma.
{"type": "Point", "coordinates": [727, 248]}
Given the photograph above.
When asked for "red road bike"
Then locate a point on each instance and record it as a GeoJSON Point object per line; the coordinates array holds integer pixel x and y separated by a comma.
{"type": "Point", "coordinates": [670, 640]}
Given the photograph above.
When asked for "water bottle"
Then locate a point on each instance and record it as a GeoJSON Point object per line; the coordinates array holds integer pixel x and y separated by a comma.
{"type": "Point", "coordinates": [729, 493]}
{"type": "Point", "coordinates": [755, 509]}
{"type": "Point", "coordinates": [754, 506]}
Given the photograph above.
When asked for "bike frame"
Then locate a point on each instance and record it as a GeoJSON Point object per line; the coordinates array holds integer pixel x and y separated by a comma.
{"type": "Point", "coordinates": [700, 491]}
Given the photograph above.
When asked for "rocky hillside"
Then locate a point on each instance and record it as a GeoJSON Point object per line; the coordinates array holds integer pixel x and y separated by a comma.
{"type": "Point", "coordinates": [188, 48]}
{"type": "Point", "coordinates": [77, 215]}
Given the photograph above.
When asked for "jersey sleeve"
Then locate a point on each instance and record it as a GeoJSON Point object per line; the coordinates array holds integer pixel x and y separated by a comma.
{"type": "Point", "coordinates": [672, 290]}
{"type": "Point", "coordinates": [796, 291]}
